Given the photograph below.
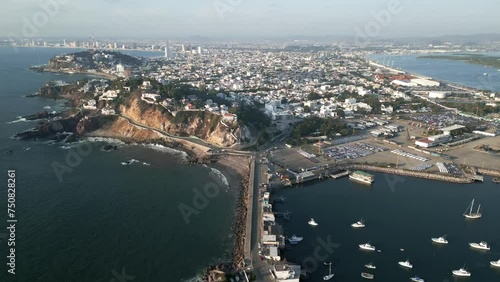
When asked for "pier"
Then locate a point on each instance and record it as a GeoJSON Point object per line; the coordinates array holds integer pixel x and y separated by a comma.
{"type": "Point", "coordinates": [340, 175]}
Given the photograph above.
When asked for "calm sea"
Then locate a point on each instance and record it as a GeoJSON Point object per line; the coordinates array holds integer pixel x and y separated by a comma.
{"type": "Point", "coordinates": [400, 214]}
{"type": "Point", "coordinates": [103, 221]}
{"type": "Point", "coordinates": [460, 72]}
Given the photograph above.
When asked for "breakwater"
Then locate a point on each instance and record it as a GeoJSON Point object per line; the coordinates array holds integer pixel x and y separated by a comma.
{"type": "Point", "coordinates": [238, 254]}
{"type": "Point", "coordinates": [402, 172]}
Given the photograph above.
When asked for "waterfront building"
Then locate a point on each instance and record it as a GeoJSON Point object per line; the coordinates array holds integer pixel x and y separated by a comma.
{"type": "Point", "coordinates": [286, 272]}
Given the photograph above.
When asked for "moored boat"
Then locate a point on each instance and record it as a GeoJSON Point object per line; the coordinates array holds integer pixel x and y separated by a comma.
{"type": "Point", "coordinates": [367, 247]}
{"type": "Point", "coordinates": [294, 239]}
{"type": "Point", "coordinates": [416, 279]}
{"type": "Point", "coordinates": [370, 266]}
{"type": "Point", "coordinates": [367, 275]}
{"type": "Point", "coordinates": [495, 263]}
{"type": "Point", "coordinates": [312, 222]}
{"type": "Point", "coordinates": [461, 272]}
{"type": "Point", "coordinates": [480, 246]}
{"type": "Point", "coordinates": [330, 275]}
{"type": "Point", "coordinates": [359, 224]}
{"type": "Point", "coordinates": [406, 264]}
{"type": "Point", "coordinates": [470, 214]}
{"type": "Point", "coordinates": [440, 240]}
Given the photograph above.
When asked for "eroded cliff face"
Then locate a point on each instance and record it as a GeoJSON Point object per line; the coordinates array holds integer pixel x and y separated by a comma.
{"type": "Point", "coordinates": [204, 125]}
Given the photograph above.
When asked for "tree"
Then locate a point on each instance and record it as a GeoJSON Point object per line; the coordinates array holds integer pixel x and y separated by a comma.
{"type": "Point", "coordinates": [313, 96]}
{"type": "Point", "coordinates": [307, 109]}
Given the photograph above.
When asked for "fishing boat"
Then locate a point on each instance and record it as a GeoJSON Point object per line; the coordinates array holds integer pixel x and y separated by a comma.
{"type": "Point", "coordinates": [462, 272]}
{"type": "Point", "coordinates": [312, 222]}
{"type": "Point", "coordinates": [359, 224]}
{"type": "Point", "coordinates": [440, 240]}
{"type": "Point", "coordinates": [469, 214]}
{"type": "Point", "coordinates": [416, 279]}
{"type": "Point", "coordinates": [480, 246]}
{"type": "Point", "coordinates": [330, 275]}
{"type": "Point", "coordinates": [367, 247]}
{"type": "Point", "coordinates": [406, 264]}
{"type": "Point", "coordinates": [495, 263]}
{"type": "Point", "coordinates": [294, 240]}
{"type": "Point", "coordinates": [367, 275]}
{"type": "Point", "coordinates": [370, 266]}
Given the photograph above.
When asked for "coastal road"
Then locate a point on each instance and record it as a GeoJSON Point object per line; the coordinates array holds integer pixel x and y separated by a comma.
{"type": "Point", "coordinates": [261, 268]}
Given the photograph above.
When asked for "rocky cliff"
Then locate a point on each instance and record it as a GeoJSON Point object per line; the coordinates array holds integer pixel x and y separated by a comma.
{"type": "Point", "coordinates": [204, 125]}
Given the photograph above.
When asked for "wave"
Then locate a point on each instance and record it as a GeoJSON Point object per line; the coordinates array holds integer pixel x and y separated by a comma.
{"type": "Point", "coordinates": [112, 141]}
{"type": "Point", "coordinates": [20, 119]}
{"type": "Point", "coordinates": [47, 108]}
{"type": "Point", "coordinates": [220, 175]}
{"type": "Point", "coordinates": [164, 149]}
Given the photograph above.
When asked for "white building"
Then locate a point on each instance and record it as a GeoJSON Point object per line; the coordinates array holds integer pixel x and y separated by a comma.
{"type": "Point", "coordinates": [425, 82]}
{"type": "Point", "coordinates": [437, 94]}
{"type": "Point", "coordinates": [286, 272]}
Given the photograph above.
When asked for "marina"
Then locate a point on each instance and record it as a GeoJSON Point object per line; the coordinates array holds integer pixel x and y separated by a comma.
{"type": "Point", "coordinates": [433, 258]}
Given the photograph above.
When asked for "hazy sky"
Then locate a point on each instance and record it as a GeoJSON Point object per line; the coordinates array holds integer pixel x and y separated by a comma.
{"type": "Point", "coordinates": [247, 18]}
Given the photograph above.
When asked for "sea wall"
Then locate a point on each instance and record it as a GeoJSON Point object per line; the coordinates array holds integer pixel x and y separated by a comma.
{"type": "Point", "coordinates": [402, 172]}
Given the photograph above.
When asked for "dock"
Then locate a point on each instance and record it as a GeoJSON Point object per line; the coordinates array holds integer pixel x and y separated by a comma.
{"type": "Point", "coordinates": [340, 175]}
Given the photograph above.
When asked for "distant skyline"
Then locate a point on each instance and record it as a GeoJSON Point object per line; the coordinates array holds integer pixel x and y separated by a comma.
{"type": "Point", "coordinates": [240, 19]}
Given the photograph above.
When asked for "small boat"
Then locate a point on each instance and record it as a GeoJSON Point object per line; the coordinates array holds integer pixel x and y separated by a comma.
{"type": "Point", "coordinates": [406, 264]}
{"type": "Point", "coordinates": [312, 222]}
{"type": "Point", "coordinates": [295, 240]}
{"type": "Point", "coordinates": [26, 148]}
{"type": "Point", "coordinates": [359, 224]}
{"type": "Point", "coordinates": [496, 180]}
{"type": "Point", "coordinates": [416, 279]}
{"type": "Point", "coordinates": [495, 263]}
{"type": "Point", "coordinates": [370, 266]}
{"type": "Point", "coordinates": [367, 275]}
{"type": "Point", "coordinates": [440, 240]}
{"type": "Point", "coordinates": [330, 275]}
{"type": "Point", "coordinates": [146, 164]}
{"type": "Point", "coordinates": [367, 247]}
{"type": "Point", "coordinates": [480, 246]}
{"type": "Point", "coordinates": [461, 272]}
{"type": "Point", "coordinates": [470, 214]}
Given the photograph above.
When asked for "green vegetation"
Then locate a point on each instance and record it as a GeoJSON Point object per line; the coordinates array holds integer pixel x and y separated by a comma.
{"type": "Point", "coordinates": [317, 126]}
{"type": "Point", "coordinates": [477, 59]}
{"type": "Point", "coordinates": [478, 108]}
{"type": "Point", "coordinates": [251, 115]}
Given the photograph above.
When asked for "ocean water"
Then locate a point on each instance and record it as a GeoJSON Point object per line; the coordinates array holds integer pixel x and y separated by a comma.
{"type": "Point", "coordinates": [446, 70]}
{"type": "Point", "coordinates": [399, 213]}
{"type": "Point", "coordinates": [101, 221]}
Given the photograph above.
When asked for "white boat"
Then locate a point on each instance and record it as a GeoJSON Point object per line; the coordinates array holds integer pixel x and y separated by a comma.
{"type": "Point", "coordinates": [417, 279]}
{"type": "Point", "coordinates": [370, 266]}
{"type": "Point", "coordinates": [406, 264]}
{"type": "Point", "coordinates": [495, 263]}
{"type": "Point", "coordinates": [440, 240]}
{"type": "Point", "coordinates": [480, 246]}
{"type": "Point", "coordinates": [312, 222]}
{"type": "Point", "coordinates": [146, 164]}
{"type": "Point", "coordinates": [367, 247]}
{"type": "Point", "coordinates": [469, 214]}
{"type": "Point", "coordinates": [330, 275]}
{"type": "Point", "coordinates": [367, 275]}
{"type": "Point", "coordinates": [362, 177]}
{"type": "Point", "coordinates": [126, 163]}
{"type": "Point", "coordinates": [461, 272]}
{"type": "Point", "coordinates": [294, 239]}
{"type": "Point", "coordinates": [359, 224]}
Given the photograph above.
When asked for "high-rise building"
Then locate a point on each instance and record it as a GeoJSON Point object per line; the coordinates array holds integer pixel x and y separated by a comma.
{"type": "Point", "coordinates": [116, 45]}
{"type": "Point", "coordinates": [183, 48]}
{"type": "Point", "coordinates": [199, 50]}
